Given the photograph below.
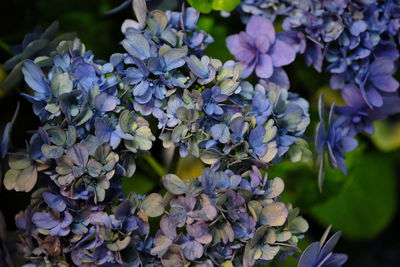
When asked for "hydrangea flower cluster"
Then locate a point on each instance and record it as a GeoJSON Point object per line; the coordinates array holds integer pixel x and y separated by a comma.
{"type": "Point", "coordinates": [320, 253]}
{"type": "Point", "coordinates": [358, 41]}
{"type": "Point", "coordinates": [94, 124]}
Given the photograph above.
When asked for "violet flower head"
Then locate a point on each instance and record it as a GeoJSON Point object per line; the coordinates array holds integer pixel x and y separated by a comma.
{"type": "Point", "coordinates": [336, 140]}
{"type": "Point", "coordinates": [360, 116]}
{"type": "Point", "coordinates": [319, 255]}
{"type": "Point", "coordinates": [57, 223]}
{"type": "Point", "coordinates": [197, 237]}
{"type": "Point", "coordinates": [259, 50]}
{"type": "Point", "coordinates": [377, 81]}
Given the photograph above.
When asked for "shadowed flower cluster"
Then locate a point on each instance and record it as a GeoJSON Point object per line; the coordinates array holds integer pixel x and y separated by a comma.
{"type": "Point", "coordinates": [209, 221]}
{"type": "Point", "coordinates": [358, 41]}
{"type": "Point", "coordinates": [95, 121]}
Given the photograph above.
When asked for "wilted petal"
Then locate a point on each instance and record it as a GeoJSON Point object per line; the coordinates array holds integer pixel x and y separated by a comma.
{"type": "Point", "coordinates": [274, 214]}
{"type": "Point", "coordinates": [78, 154]}
{"type": "Point", "coordinates": [192, 250]}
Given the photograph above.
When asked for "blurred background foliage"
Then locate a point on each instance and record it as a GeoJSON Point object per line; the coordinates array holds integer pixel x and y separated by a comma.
{"type": "Point", "coordinates": [363, 204]}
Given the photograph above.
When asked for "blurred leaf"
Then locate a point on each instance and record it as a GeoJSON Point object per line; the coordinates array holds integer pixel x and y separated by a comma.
{"type": "Point", "coordinates": [219, 31]}
{"type": "Point", "coordinates": [386, 136]}
{"type": "Point", "coordinates": [13, 77]}
{"type": "Point", "coordinates": [225, 5]}
{"type": "Point", "coordinates": [206, 6]}
{"type": "Point", "coordinates": [138, 184]}
{"type": "Point", "coordinates": [189, 168]}
{"type": "Point", "coordinates": [330, 96]}
{"type": "Point", "coordinates": [367, 202]}
{"type": "Point", "coordinates": [157, 168]}
{"type": "Point", "coordinates": [206, 23]}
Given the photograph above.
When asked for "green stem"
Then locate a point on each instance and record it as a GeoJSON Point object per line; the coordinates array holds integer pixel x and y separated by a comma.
{"type": "Point", "coordinates": [155, 165]}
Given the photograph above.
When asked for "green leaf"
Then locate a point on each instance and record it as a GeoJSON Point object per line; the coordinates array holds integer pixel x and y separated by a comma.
{"type": "Point", "coordinates": [225, 5]}
{"type": "Point", "coordinates": [366, 203]}
{"type": "Point", "coordinates": [13, 77]}
{"type": "Point", "coordinates": [138, 184]}
{"type": "Point", "coordinates": [204, 6]}
{"type": "Point", "coordinates": [386, 136]}
{"type": "Point", "coordinates": [34, 47]}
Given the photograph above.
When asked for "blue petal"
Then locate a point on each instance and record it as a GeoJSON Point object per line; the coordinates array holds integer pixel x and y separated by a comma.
{"type": "Point", "coordinates": [34, 77]}
{"type": "Point", "coordinates": [55, 202]}
{"type": "Point", "coordinates": [136, 44]}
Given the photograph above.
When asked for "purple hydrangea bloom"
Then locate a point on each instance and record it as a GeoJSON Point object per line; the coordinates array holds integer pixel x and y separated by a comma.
{"type": "Point", "coordinates": [197, 237]}
{"type": "Point", "coordinates": [319, 254]}
{"type": "Point", "coordinates": [211, 98]}
{"type": "Point", "coordinates": [259, 50]}
{"type": "Point", "coordinates": [57, 223]}
{"type": "Point", "coordinates": [335, 140]}
{"type": "Point", "coordinates": [377, 80]}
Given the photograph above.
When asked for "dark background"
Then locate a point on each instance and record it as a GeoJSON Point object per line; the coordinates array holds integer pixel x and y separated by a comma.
{"type": "Point", "coordinates": [363, 204]}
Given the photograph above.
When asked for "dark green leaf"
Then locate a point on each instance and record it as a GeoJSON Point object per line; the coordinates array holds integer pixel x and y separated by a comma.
{"type": "Point", "coordinates": [367, 202]}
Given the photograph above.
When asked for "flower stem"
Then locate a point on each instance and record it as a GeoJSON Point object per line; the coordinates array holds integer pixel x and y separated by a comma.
{"type": "Point", "coordinates": [155, 165]}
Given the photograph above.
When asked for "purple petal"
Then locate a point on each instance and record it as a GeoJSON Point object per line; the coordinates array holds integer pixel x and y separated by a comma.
{"type": "Point", "coordinates": [34, 77]}
{"type": "Point", "coordinates": [352, 95]}
{"type": "Point", "coordinates": [358, 27]}
{"type": "Point", "coordinates": [374, 97]}
{"type": "Point", "coordinates": [105, 103]}
{"type": "Point", "coordinates": [193, 250]}
{"type": "Point", "coordinates": [386, 83]}
{"type": "Point", "coordinates": [259, 25]}
{"type": "Point", "coordinates": [264, 68]}
{"type": "Point", "coordinates": [381, 66]}
{"type": "Point", "coordinates": [282, 54]}
{"type": "Point", "coordinates": [55, 202]}
{"type": "Point", "coordinates": [235, 48]}
{"type": "Point", "coordinates": [248, 69]}
{"type": "Point", "coordinates": [329, 245]}
{"type": "Point", "coordinates": [309, 256]}
{"type": "Point", "coordinates": [280, 77]}
{"type": "Point", "coordinates": [262, 43]}
{"type": "Point", "coordinates": [349, 143]}
{"type": "Point", "coordinates": [44, 220]}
